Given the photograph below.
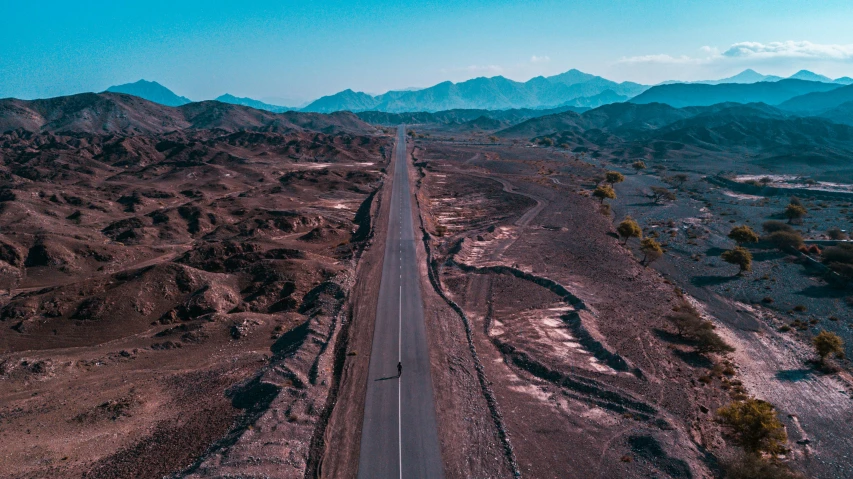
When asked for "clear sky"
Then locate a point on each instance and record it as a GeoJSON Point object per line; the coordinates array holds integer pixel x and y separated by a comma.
{"type": "Point", "coordinates": [296, 51]}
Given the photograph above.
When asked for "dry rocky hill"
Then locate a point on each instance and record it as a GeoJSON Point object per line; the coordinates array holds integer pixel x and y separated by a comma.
{"type": "Point", "coordinates": [168, 273]}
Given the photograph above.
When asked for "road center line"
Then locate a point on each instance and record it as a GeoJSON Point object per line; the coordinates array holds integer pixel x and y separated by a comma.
{"type": "Point", "coordinates": [400, 346]}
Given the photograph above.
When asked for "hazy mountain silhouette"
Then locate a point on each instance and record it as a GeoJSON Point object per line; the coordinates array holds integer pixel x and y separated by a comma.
{"type": "Point", "coordinates": [608, 118]}
{"type": "Point", "coordinates": [693, 94]}
{"type": "Point", "coordinates": [843, 113]}
{"type": "Point", "coordinates": [459, 117]}
{"type": "Point", "coordinates": [131, 115]}
{"type": "Point", "coordinates": [628, 129]}
{"type": "Point", "coordinates": [818, 102]}
{"type": "Point", "coordinates": [572, 88]}
{"type": "Point", "coordinates": [604, 98]}
{"type": "Point", "coordinates": [747, 76]}
{"type": "Point", "coordinates": [810, 76]}
{"type": "Point", "coordinates": [151, 91]}
{"type": "Point", "coordinates": [751, 76]}
{"type": "Point", "coordinates": [257, 104]}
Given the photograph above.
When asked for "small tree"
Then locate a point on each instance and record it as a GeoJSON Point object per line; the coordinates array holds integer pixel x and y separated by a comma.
{"type": "Point", "coordinates": [628, 229]}
{"type": "Point", "coordinates": [638, 165]}
{"type": "Point", "coordinates": [677, 180]}
{"type": "Point", "coordinates": [688, 323]}
{"type": "Point", "coordinates": [755, 425]}
{"type": "Point", "coordinates": [614, 177]}
{"type": "Point", "coordinates": [660, 193]}
{"type": "Point", "coordinates": [827, 343]}
{"type": "Point", "coordinates": [604, 192]}
{"type": "Point", "coordinates": [765, 181]}
{"type": "Point", "coordinates": [651, 250]}
{"type": "Point", "coordinates": [691, 325]}
{"type": "Point", "coordinates": [739, 256]}
{"type": "Point", "coordinates": [743, 234]}
{"type": "Point", "coordinates": [708, 341]}
{"type": "Point", "coordinates": [795, 201]}
{"type": "Point", "coordinates": [795, 213]}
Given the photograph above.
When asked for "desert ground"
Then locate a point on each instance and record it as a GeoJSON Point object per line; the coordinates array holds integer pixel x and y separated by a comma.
{"type": "Point", "coordinates": [192, 292]}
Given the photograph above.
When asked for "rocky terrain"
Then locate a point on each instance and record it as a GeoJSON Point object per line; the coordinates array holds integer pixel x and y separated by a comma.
{"type": "Point", "coordinates": [173, 280]}
{"type": "Point", "coordinates": [190, 291]}
{"type": "Point", "coordinates": [563, 316]}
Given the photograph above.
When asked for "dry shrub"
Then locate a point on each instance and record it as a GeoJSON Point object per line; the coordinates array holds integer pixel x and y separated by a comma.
{"type": "Point", "coordinates": [785, 240]}
{"type": "Point", "coordinates": [690, 325]}
{"type": "Point", "coordinates": [755, 425]}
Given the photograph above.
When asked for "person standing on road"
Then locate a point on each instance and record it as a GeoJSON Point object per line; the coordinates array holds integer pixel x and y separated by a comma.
{"type": "Point", "coordinates": [399, 368]}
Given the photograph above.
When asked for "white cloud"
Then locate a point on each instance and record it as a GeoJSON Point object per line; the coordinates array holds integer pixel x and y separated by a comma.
{"type": "Point", "coordinates": [754, 51]}
{"type": "Point", "coordinates": [662, 58]}
{"type": "Point", "coordinates": [538, 59]}
{"type": "Point", "coordinates": [790, 49]}
{"type": "Point", "coordinates": [484, 68]}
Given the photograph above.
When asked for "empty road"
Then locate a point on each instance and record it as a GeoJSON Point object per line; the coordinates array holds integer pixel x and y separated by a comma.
{"type": "Point", "coordinates": [399, 436]}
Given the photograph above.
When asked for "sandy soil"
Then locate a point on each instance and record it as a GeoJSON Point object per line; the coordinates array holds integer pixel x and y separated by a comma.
{"type": "Point", "coordinates": [563, 317]}
{"type": "Point", "coordinates": [176, 297]}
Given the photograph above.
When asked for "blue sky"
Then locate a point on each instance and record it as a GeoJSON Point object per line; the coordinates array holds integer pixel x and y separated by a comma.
{"type": "Point", "coordinates": [296, 51]}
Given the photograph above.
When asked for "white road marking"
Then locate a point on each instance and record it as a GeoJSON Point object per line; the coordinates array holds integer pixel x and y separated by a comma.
{"type": "Point", "coordinates": [400, 351]}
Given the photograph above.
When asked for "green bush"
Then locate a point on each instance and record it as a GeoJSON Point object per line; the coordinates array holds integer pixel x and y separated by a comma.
{"type": "Point", "coordinates": [827, 343]}
{"type": "Point", "coordinates": [755, 425]}
{"type": "Point", "coordinates": [651, 249]}
{"type": "Point", "coordinates": [614, 177]}
{"type": "Point", "coordinates": [795, 213]}
{"type": "Point", "coordinates": [743, 234]}
{"type": "Point", "coordinates": [740, 257]}
{"type": "Point", "coordinates": [604, 192]}
{"type": "Point", "coordinates": [628, 229]}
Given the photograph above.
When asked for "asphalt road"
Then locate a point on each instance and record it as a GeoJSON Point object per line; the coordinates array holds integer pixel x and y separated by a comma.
{"type": "Point", "coordinates": [399, 436]}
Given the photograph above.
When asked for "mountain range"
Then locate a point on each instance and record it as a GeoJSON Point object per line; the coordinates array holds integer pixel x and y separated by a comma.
{"type": "Point", "coordinates": [627, 128]}
{"type": "Point", "coordinates": [699, 94]}
{"type": "Point", "coordinates": [257, 104]}
{"type": "Point", "coordinates": [151, 91]}
{"type": "Point", "coordinates": [573, 90]}
{"type": "Point", "coordinates": [751, 76]}
{"type": "Point", "coordinates": [723, 131]}
{"type": "Point", "coordinates": [124, 114]}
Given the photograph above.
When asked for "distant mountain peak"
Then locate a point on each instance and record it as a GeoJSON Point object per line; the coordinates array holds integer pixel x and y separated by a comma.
{"type": "Point", "coordinates": [252, 103]}
{"type": "Point", "coordinates": [810, 76]}
{"type": "Point", "coordinates": [573, 88]}
{"type": "Point", "coordinates": [572, 77]}
{"type": "Point", "coordinates": [151, 91]}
